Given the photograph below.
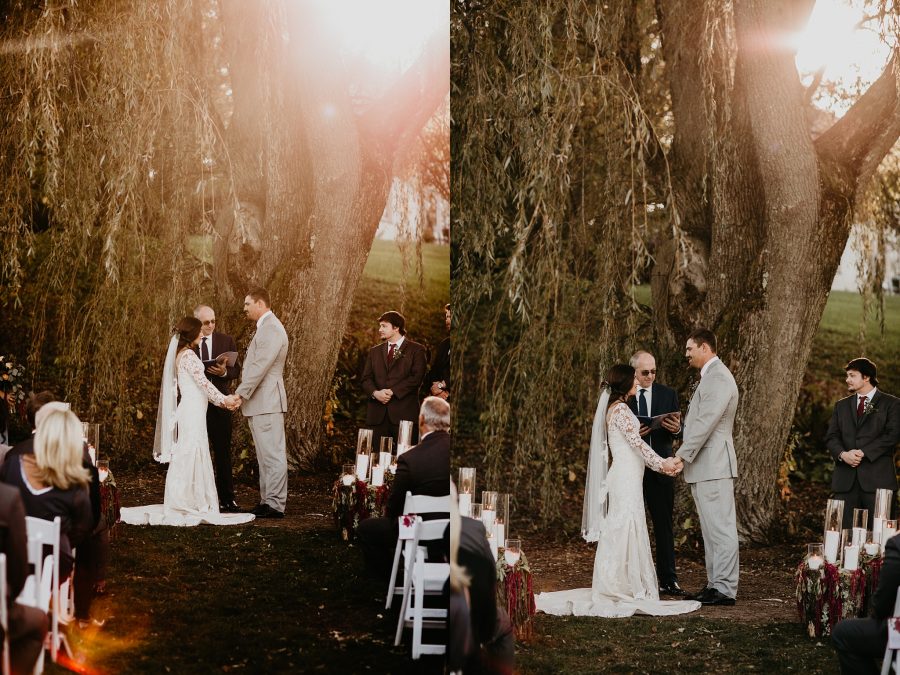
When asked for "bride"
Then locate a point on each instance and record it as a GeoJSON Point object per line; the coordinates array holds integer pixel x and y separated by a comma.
{"type": "Point", "coordinates": [624, 580]}
{"type": "Point", "coordinates": [181, 440]}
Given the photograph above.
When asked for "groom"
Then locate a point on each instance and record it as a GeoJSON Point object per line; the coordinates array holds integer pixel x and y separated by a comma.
{"type": "Point", "coordinates": [710, 466]}
{"type": "Point", "coordinates": [263, 401]}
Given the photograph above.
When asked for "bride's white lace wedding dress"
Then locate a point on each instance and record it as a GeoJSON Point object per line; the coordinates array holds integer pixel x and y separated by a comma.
{"type": "Point", "coordinates": [191, 496]}
{"type": "Point", "coordinates": [624, 581]}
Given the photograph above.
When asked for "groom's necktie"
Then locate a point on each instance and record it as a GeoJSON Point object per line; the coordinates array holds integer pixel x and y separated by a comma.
{"type": "Point", "coordinates": [642, 403]}
{"type": "Point", "coordinates": [861, 408]}
{"type": "Point", "coordinates": [391, 352]}
{"type": "Point", "coordinates": [204, 352]}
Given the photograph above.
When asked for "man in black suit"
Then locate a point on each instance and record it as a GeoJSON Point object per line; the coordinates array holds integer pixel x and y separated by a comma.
{"type": "Point", "coordinates": [393, 373]}
{"type": "Point", "coordinates": [218, 420]}
{"type": "Point", "coordinates": [438, 378]}
{"type": "Point", "coordinates": [861, 642]}
{"type": "Point", "coordinates": [862, 437]}
{"type": "Point", "coordinates": [422, 470]}
{"type": "Point", "coordinates": [654, 399]}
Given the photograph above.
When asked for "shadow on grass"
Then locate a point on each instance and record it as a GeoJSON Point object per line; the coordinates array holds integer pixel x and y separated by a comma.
{"type": "Point", "coordinates": [241, 599]}
{"type": "Point", "coordinates": [672, 645]}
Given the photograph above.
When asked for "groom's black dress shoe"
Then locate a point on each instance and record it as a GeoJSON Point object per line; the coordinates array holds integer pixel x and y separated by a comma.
{"type": "Point", "coordinates": [699, 595]}
{"type": "Point", "coordinates": [259, 509]}
{"type": "Point", "coordinates": [672, 589]}
{"type": "Point", "coordinates": [229, 508]}
{"type": "Point", "coordinates": [269, 512]}
{"type": "Point", "coordinates": [715, 597]}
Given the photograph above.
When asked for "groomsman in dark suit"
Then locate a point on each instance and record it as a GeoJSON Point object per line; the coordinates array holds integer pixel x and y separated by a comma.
{"type": "Point", "coordinates": [218, 420]}
{"type": "Point", "coordinates": [422, 470]}
{"type": "Point", "coordinates": [654, 399]}
{"type": "Point", "coordinates": [862, 437]}
{"type": "Point", "coordinates": [438, 378]}
{"type": "Point", "coordinates": [392, 376]}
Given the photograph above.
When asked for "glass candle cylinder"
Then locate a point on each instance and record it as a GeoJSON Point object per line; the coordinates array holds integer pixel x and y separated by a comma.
{"type": "Point", "coordinates": [91, 432]}
{"type": "Point", "coordinates": [834, 514]}
{"type": "Point", "coordinates": [103, 469]}
{"type": "Point", "coordinates": [348, 475]}
{"type": "Point", "coordinates": [364, 442]}
{"type": "Point", "coordinates": [851, 557]}
{"type": "Point", "coordinates": [404, 436]}
{"type": "Point", "coordinates": [476, 511]}
{"type": "Point", "coordinates": [492, 544]}
{"type": "Point", "coordinates": [888, 531]}
{"type": "Point", "coordinates": [860, 526]}
{"type": "Point", "coordinates": [512, 551]}
{"type": "Point", "coordinates": [377, 474]}
{"type": "Point", "coordinates": [393, 467]}
{"type": "Point", "coordinates": [501, 520]}
{"type": "Point", "coordinates": [883, 500]}
{"type": "Point", "coordinates": [466, 490]}
{"type": "Point", "coordinates": [488, 510]}
{"type": "Point", "coordinates": [386, 445]}
{"type": "Point", "coordinates": [872, 547]}
{"type": "Point", "coordinates": [815, 556]}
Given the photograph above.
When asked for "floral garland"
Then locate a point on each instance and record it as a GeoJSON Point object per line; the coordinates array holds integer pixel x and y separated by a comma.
{"type": "Point", "coordinates": [515, 593]}
{"type": "Point", "coordinates": [827, 595]}
{"type": "Point", "coordinates": [109, 503]}
{"type": "Point", "coordinates": [355, 502]}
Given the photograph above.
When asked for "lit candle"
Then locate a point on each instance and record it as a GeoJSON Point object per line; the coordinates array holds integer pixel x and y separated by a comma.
{"type": "Point", "coordinates": [814, 562]}
{"type": "Point", "coordinates": [511, 557]}
{"type": "Point", "coordinates": [871, 547]}
{"type": "Point", "coordinates": [487, 517]}
{"type": "Point", "coordinates": [362, 467]}
{"type": "Point", "coordinates": [851, 557]}
{"type": "Point", "coordinates": [859, 536]}
{"type": "Point", "coordinates": [465, 504]}
{"type": "Point", "coordinates": [500, 532]}
{"type": "Point", "coordinates": [832, 541]}
{"type": "Point", "coordinates": [104, 474]}
{"type": "Point", "coordinates": [377, 476]}
{"type": "Point", "coordinates": [347, 479]}
{"type": "Point", "coordinates": [492, 544]}
{"type": "Point", "coordinates": [877, 525]}
{"type": "Point", "coordinates": [384, 458]}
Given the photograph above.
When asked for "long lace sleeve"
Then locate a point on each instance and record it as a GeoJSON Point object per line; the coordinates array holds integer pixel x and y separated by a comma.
{"type": "Point", "coordinates": [627, 423]}
{"type": "Point", "coordinates": [191, 364]}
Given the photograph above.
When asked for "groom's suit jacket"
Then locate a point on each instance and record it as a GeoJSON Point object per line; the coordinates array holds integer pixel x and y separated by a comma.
{"type": "Point", "coordinates": [403, 376]}
{"type": "Point", "coordinates": [876, 434]}
{"type": "Point", "coordinates": [663, 400]}
{"type": "Point", "coordinates": [708, 445]}
{"type": "Point", "coordinates": [219, 344]}
{"type": "Point", "coordinates": [262, 384]}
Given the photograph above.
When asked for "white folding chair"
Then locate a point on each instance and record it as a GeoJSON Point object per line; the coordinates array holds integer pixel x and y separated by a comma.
{"type": "Point", "coordinates": [42, 588]}
{"type": "Point", "coordinates": [4, 613]}
{"type": "Point", "coordinates": [892, 656]}
{"type": "Point", "coordinates": [423, 578]}
{"type": "Point", "coordinates": [417, 504]}
{"type": "Point", "coordinates": [67, 597]}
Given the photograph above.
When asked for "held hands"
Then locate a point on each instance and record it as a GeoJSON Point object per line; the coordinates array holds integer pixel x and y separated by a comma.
{"type": "Point", "coordinates": [672, 466]}
{"type": "Point", "coordinates": [853, 457]}
{"type": "Point", "coordinates": [383, 395]}
{"type": "Point", "coordinates": [232, 402]}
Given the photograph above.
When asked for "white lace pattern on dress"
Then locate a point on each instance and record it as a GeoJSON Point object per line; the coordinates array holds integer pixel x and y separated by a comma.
{"type": "Point", "coordinates": [624, 581]}
{"type": "Point", "coordinates": [191, 496]}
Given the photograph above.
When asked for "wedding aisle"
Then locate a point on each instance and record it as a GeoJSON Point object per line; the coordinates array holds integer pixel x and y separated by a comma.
{"type": "Point", "coordinates": [274, 596]}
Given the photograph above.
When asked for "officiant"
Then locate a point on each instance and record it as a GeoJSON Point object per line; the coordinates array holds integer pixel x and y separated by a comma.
{"type": "Point", "coordinates": [218, 420]}
{"type": "Point", "coordinates": [653, 399]}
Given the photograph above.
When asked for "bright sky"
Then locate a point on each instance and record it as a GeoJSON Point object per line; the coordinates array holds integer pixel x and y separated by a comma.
{"type": "Point", "coordinates": [851, 55]}
{"type": "Point", "coordinates": [388, 33]}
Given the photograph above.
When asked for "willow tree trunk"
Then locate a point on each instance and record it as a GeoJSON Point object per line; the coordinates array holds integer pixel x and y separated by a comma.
{"type": "Point", "coordinates": [312, 170]}
{"type": "Point", "coordinates": [768, 212]}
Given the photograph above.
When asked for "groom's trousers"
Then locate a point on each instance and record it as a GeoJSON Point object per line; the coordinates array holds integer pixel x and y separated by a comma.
{"type": "Point", "coordinates": [718, 522]}
{"type": "Point", "coordinates": [271, 453]}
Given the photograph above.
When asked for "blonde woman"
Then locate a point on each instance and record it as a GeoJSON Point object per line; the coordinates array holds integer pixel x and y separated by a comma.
{"type": "Point", "coordinates": [53, 482]}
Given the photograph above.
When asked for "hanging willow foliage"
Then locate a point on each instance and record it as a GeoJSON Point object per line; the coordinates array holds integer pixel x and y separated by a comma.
{"type": "Point", "coordinates": [106, 134]}
{"type": "Point", "coordinates": [554, 201]}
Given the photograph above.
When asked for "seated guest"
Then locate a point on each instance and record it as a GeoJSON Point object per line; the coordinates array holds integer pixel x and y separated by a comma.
{"type": "Point", "coordinates": [494, 643]}
{"type": "Point", "coordinates": [860, 643]}
{"type": "Point", "coordinates": [422, 470]}
{"type": "Point", "coordinates": [52, 481]}
{"type": "Point", "coordinates": [27, 625]}
{"type": "Point", "coordinates": [90, 562]}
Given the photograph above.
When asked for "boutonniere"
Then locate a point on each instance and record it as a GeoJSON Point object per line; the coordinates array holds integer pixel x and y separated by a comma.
{"type": "Point", "coordinates": [869, 408]}
{"type": "Point", "coordinates": [398, 353]}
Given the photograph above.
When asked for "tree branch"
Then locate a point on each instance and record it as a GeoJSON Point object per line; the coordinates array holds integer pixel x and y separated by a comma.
{"type": "Point", "coordinates": [861, 138]}
{"type": "Point", "coordinates": [411, 100]}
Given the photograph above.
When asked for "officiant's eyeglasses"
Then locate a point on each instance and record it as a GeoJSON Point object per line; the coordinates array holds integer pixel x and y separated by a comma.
{"type": "Point", "coordinates": [645, 373]}
{"type": "Point", "coordinates": [211, 321]}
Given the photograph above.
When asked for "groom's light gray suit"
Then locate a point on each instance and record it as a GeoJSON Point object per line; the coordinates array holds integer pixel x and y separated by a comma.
{"type": "Point", "coordinates": [264, 405]}
{"type": "Point", "coordinates": [710, 467]}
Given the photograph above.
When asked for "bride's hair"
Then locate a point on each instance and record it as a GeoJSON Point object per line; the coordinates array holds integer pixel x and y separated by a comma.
{"type": "Point", "coordinates": [620, 380]}
{"type": "Point", "coordinates": [187, 329]}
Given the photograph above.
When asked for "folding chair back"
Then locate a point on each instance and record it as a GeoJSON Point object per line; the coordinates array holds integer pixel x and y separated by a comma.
{"type": "Point", "coordinates": [42, 588]}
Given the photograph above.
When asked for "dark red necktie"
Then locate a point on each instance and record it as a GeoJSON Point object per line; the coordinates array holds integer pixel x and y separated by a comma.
{"type": "Point", "coordinates": [391, 352]}
{"type": "Point", "coordinates": [861, 408]}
